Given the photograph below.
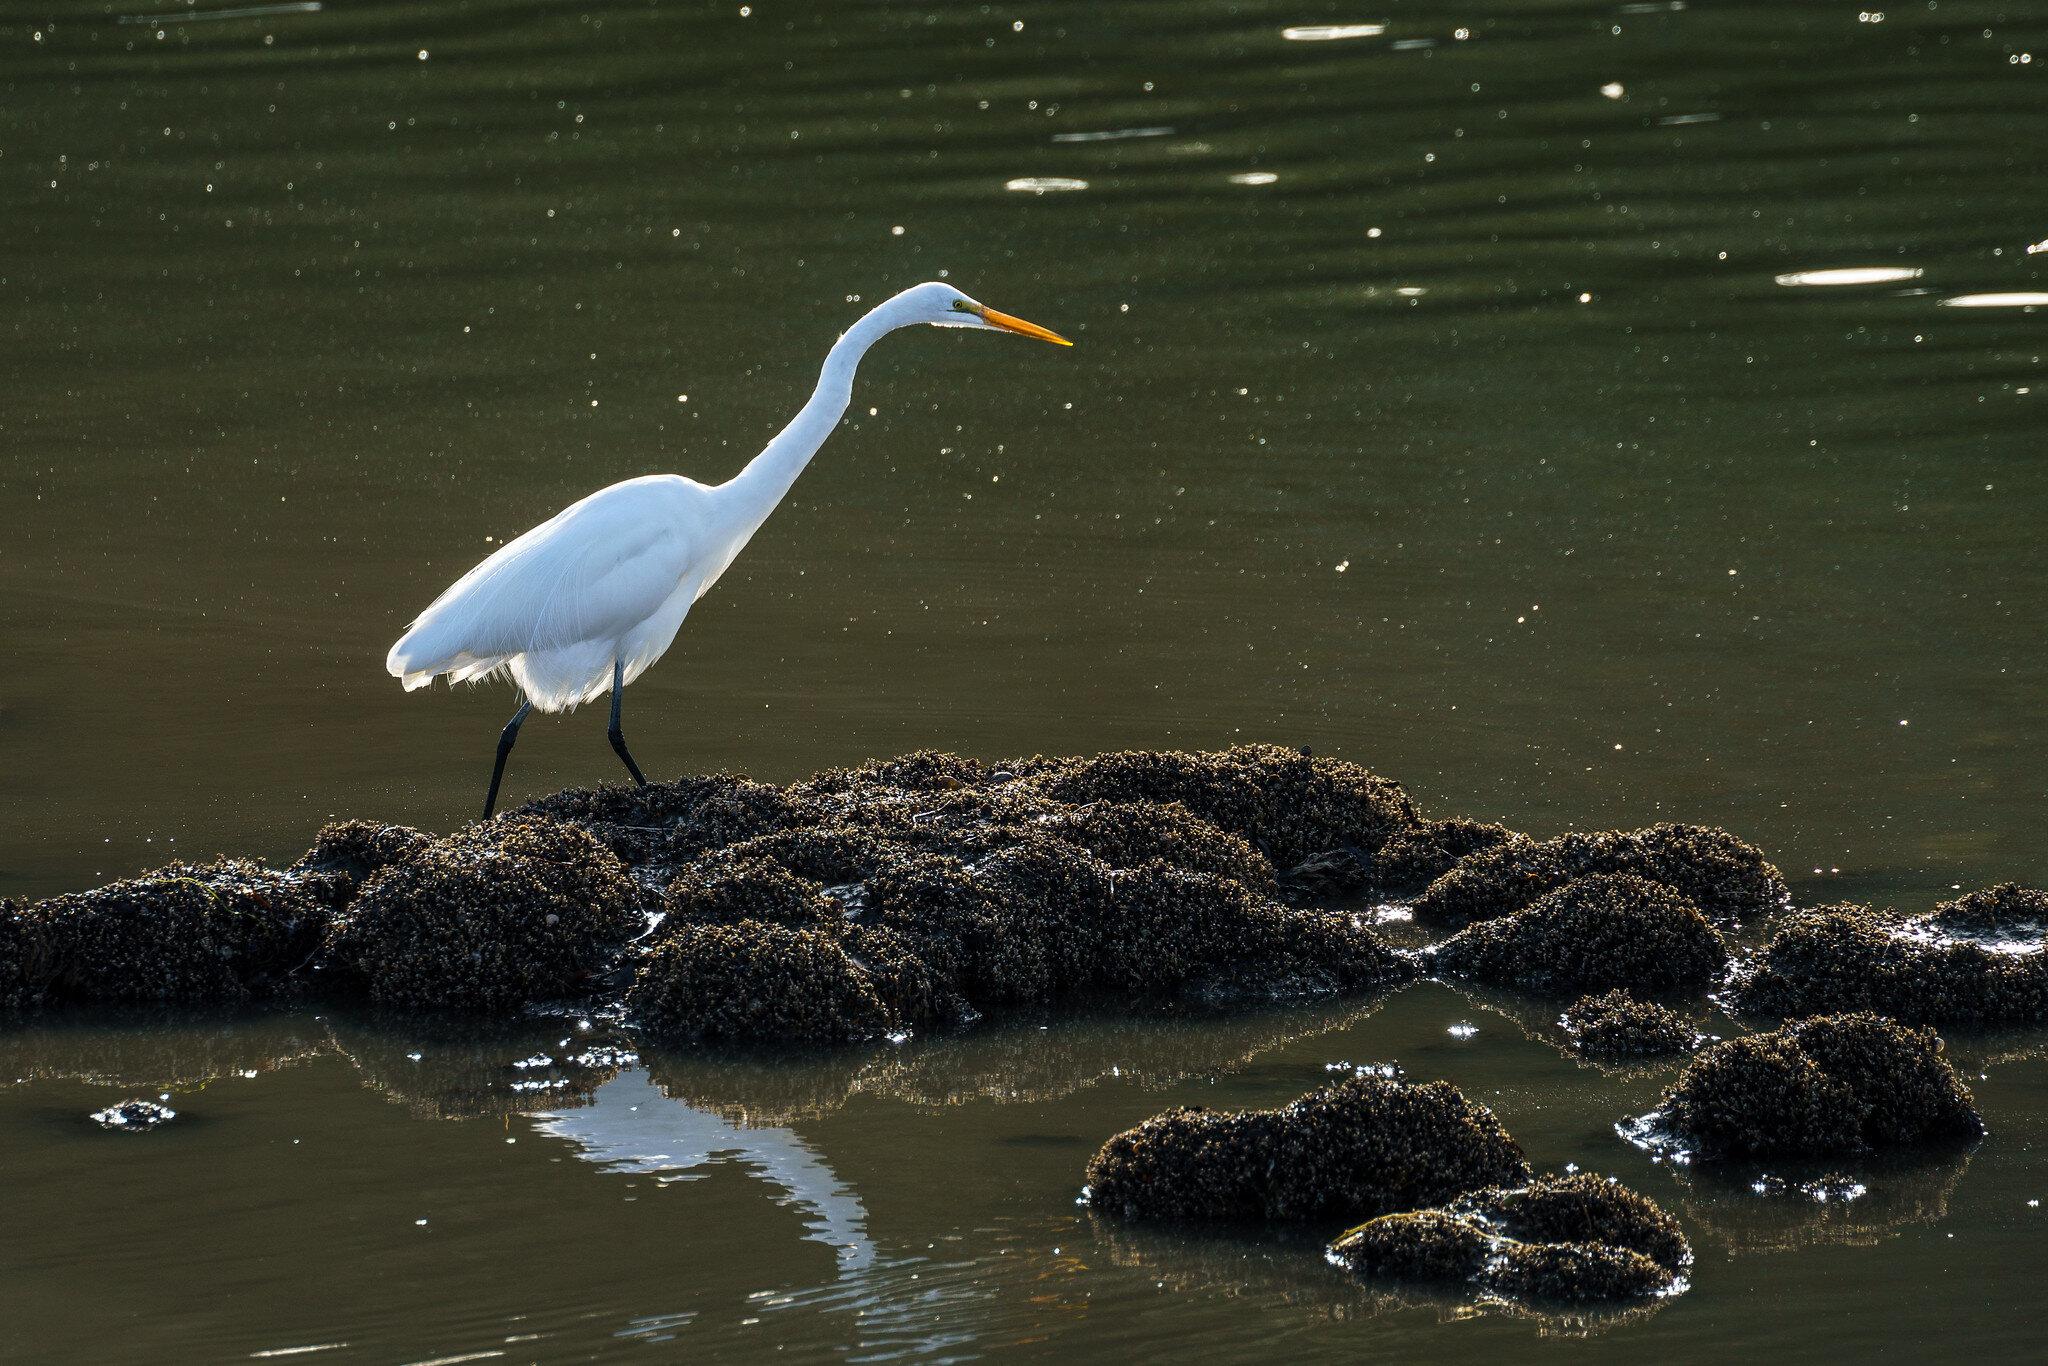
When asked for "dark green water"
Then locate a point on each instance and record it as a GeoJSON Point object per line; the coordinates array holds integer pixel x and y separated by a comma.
{"type": "Point", "coordinates": [1438, 402]}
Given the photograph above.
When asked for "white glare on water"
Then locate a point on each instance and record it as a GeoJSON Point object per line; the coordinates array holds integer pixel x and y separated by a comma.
{"type": "Point", "coordinates": [1323, 33]}
{"type": "Point", "coordinates": [1253, 178]}
{"type": "Point", "coordinates": [2019, 299]}
{"type": "Point", "coordinates": [1113, 135]}
{"type": "Point", "coordinates": [1041, 184]}
{"type": "Point", "coordinates": [1855, 275]}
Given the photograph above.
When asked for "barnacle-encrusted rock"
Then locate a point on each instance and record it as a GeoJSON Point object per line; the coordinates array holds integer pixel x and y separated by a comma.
{"type": "Point", "coordinates": [755, 982]}
{"type": "Point", "coordinates": [1028, 882]}
{"type": "Point", "coordinates": [1576, 1271]}
{"type": "Point", "coordinates": [1419, 1245]}
{"type": "Point", "coordinates": [1616, 1025]}
{"type": "Point", "coordinates": [671, 822]}
{"type": "Point", "coordinates": [360, 848]}
{"type": "Point", "coordinates": [1288, 805]}
{"type": "Point", "coordinates": [493, 917]}
{"type": "Point", "coordinates": [1414, 858]}
{"type": "Point", "coordinates": [2005, 910]}
{"type": "Point", "coordinates": [1832, 1084]}
{"type": "Point", "coordinates": [1852, 958]}
{"type": "Point", "coordinates": [186, 933]}
{"type": "Point", "coordinates": [1132, 834]}
{"type": "Point", "coordinates": [1580, 1237]}
{"type": "Point", "coordinates": [750, 887]}
{"type": "Point", "coordinates": [1602, 931]}
{"type": "Point", "coordinates": [1717, 872]}
{"type": "Point", "coordinates": [1364, 1146]}
{"type": "Point", "coordinates": [1043, 920]}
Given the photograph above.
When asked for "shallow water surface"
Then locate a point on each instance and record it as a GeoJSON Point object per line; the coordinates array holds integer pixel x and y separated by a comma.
{"type": "Point", "coordinates": [1586, 414]}
{"type": "Point", "coordinates": [405, 1192]}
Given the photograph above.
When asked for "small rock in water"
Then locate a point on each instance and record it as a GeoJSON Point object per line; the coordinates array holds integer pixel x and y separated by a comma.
{"type": "Point", "coordinates": [1366, 1145]}
{"type": "Point", "coordinates": [133, 1116]}
{"type": "Point", "coordinates": [1831, 1084]}
{"type": "Point", "coordinates": [1616, 1025]}
{"type": "Point", "coordinates": [1582, 1237]}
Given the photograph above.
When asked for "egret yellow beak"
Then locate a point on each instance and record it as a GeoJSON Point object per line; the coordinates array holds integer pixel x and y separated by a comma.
{"type": "Point", "coordinates": [1020, 327]}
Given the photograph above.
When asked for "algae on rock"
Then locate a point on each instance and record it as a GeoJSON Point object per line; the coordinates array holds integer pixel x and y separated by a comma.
{"type": "Point", "coordinates": [1598, 932]}
{"type": "Point", "coordinates": [1366, 1145]}
{"type": "Point", "coordinates": [1831, 1084]}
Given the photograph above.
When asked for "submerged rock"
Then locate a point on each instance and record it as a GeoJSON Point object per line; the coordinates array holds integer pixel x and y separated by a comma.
{"type": "Point", "coordinates": [1832, 1084]}
{"type": "Point", "coordinates": [1599, 932]}
{"type": "Point", "coordinates": [1366, 1145]}
{"type": "Point", "coordinates": [189, 934]}
{"type": "Point", "coordinates": [1853, 958]}
{"type": "Point", "coordinates": [1616, 1025]}
{"type": "Point", "coordinates": [1802, 1202]}
{"type": "Point", "coordinates": [496, 916]}
{"type": "Point", "coordinates": [1724, 877]}
{"type": "Point", "coordinates": [1582, 1237]}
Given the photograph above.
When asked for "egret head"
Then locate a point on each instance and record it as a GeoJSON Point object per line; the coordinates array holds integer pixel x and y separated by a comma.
{"type": "Point", "coordinates": [941, 305]}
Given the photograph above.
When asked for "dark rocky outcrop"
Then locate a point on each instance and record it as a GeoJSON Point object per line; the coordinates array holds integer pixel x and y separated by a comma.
{"type": "Point", "coordinates": [1598, 932]}
{"type": "Point", "coordinates": [1616, 1026]}
{"type": "Point", "coordinates": [1829, 1085]}
{"type": "Point", "coordinates": [1364, 1146]}
{"type": "Point", "coordinates": [1578, 1238]}
{"type": "Point", "coordinates": [1725, 878]}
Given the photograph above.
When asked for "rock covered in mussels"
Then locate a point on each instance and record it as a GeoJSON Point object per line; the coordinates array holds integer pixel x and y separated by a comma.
{"type": "Point", "coordinates": [1363, 1146]}
{"type": "Point", "coordinates": [1286, 804]}
{"type": "Point", "coordinates": [1827, 1085]}
{"type": "Point", "coordinates": [1412, 859]}
{"type": "Point", "coordinates": [495, 916]}
{"type": "Point", "coordinates": [1599, 932]}
{"type": "Point", "coordinates": [190, 934]}
{"type": "Point", "coordinates": [755, 982]}
{"type": "Point", "coordinates": [1847, 957]}
{"type": "Point", "coordinates": [2007, 910]}
{"type": "Point", "coordinates": [1726, 878]}
{"type": "Point", "coordinates": [360, 848]}
{"type": "Point", "coordinates": [1615, 1025]}
{"type": "Point", "coordinates": [1582, 1237]}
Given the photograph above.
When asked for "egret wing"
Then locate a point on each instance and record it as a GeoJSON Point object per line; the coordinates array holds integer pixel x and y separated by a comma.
{"type": "Point", "coordinates": [591, 573]}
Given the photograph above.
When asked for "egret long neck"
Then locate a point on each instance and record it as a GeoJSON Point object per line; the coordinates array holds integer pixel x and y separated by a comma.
{"type": "Point", "coordinates": [754, 492]}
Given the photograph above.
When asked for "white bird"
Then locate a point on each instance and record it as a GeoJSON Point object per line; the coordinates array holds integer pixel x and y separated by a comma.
{"type": "Point", "coordinates": [585, 601]}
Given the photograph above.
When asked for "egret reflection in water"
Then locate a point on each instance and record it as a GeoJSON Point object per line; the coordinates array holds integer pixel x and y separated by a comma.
{"type": "Point", "coordinates": [629, 1126]}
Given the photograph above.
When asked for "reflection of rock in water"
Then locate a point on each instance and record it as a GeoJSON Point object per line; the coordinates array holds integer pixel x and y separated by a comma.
{"type": "Point", "coordinates": [463, 1068]}
{"type": "Point", "coordinates": [1747, 1208]}
{"type": "Point", "coordinates": [1284, 1268]}
{"type": "Point", "coordinates": [628, 1125]}
{"type": "Point", "coordinates": [1028, 1057]}
{"type": "Point", "coordinates": [1542, 1021]}
{"type": "Point", "coordinates": [162, 1049]}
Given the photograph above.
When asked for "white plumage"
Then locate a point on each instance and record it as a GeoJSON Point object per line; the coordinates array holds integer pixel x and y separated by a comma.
{"type": "Point", "coordinates": [608, 578]}
{"type": "Point", "coordinates": [580, 605]}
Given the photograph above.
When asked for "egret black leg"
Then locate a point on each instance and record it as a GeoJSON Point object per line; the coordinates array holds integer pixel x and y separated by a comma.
{"type": "Point", "coordinates": [615, 735]}
{"type": "Point", "coordinates": [506, 739]}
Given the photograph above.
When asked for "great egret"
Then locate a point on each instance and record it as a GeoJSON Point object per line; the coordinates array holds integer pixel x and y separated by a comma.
{"type": "Point", "coordinates": [589, 598]}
